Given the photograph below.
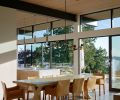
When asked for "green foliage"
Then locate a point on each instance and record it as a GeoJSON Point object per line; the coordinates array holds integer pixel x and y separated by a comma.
{"type": "Point", "coordinates": [95, 59]}
{"type": "Point", "coordinates": [61, 50]}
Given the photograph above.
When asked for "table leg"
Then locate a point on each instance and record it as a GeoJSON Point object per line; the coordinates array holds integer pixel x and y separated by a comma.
{"type": "Point", "coordinates": [37, 94]}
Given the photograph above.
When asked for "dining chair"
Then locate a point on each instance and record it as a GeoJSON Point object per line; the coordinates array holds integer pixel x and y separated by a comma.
{"type": "Point", "coordinates": [61, 89]}
{"type": "Point", "coordinates": [30, 88]}
{"type": "Point", "coordinates": [12, 92]}
{"type": "Point", "coordinates": [100, 81]}
{"type": "Point", "coordinates": [91, 85]}
{"type": "Point", "coordinates": [77, 87]}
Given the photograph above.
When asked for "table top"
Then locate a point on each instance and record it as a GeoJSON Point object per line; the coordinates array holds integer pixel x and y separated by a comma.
{"type": "Point", "coordinates": [51, 80]}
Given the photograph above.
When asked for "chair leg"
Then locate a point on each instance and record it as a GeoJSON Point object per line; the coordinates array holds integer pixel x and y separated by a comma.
{"type": "Point", "coordinates": [43, 95]}
{"type": "Point", "coordinates": [27, 95]}
{"type": "Point", "coordinates": [83, 95]}
{"type": "Point", "coordinates": [51, 97]}
{"type": "Point", "coordinates": [68, 97]}
{"type": "Point", "coordinates": [23, 97]}
{"type": "Point", "coordinates": [99, 91]}
{"type": "Point", "coordinates": [57, 98]}
{"type": "Point", "coordinates": [104, 88]}
{"type": "Point", "coordinates": [95, 94]}
{"type": "Point", "coordinates": [73, 96]}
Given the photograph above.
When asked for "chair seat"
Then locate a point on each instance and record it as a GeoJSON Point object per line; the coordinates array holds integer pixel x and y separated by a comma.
{"type": "Point", "coordinates": [15, 94]}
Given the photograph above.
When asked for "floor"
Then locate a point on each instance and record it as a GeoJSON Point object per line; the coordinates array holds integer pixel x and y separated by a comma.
{"type": "Point", "coordinates": [108, 95]}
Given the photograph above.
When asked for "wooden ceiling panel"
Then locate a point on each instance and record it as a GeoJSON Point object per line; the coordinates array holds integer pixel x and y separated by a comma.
{"type": "Point", "coordinates": [78, 6]}
{"type": "Point", "coordinates": [26, 19]}
{"type": "Point", "coordinates": [73, 6]}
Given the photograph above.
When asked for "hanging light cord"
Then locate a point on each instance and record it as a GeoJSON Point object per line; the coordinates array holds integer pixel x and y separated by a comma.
{"type": "Point", "coordinates": [65, 21]}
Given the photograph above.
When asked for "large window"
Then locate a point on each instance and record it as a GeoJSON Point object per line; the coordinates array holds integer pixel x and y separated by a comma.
{"type": "Point", "coordinates": [94, 55]}
{"type": "Point", "coordinates": [96, 21]}
{"type": "Point", "coordinates": [57, 54]}
{"type": "Point", "coordinates": [116, 18]}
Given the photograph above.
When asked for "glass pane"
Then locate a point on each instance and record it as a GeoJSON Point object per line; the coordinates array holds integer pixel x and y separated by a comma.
{"type": "Point", "coordinates": [96, 21]}
{"type": "Point", "coordinates": [41, 30]}
{"type": "Point", "coordinates": [62, 56]}
{"type": "Point", "coordinates": [28, 56]}
{"type": "Point", "coordinates": [21, 32]}
{"type": "Point", "coordinates": [21, 55]}
{"type": "Point", "coordinates": [116, 17]}
{"type": "Point", "coordinates": [59, 27]}
{"type": "Point", "coordinates": [94, 55]}
{"type": "Point", "coordinates": [28, 32]}
{"type": "Point", "coordinates": [115, 62]}
{"type": "Point", "coordinates": [37, 55]}
{"type": "Point", "coordinates": [46, 55]}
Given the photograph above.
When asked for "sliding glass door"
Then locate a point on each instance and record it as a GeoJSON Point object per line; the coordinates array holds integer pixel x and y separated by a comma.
{"type": "Point", "coordinates": [115, 63]}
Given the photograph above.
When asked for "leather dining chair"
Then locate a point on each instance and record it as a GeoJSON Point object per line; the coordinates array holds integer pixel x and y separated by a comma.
{"type": "Point", "coordinates": [12, 93]}
{"type": "Point", "coordinates": [30, 89]}
{"type": "Point", "coordinates": [61, 89]}
{"type": "Point", "coordinates": [77, 87]}
{"type": "Point", "coordinates": [91, 85]}
{"type": "Point", "coordinates": [100, 81]}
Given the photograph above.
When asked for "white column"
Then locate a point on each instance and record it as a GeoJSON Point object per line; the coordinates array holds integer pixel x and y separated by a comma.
{"type": "Point", "coordinates": [76, 42]}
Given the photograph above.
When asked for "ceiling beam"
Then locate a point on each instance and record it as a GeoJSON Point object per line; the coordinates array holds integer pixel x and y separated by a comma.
{"type": "Point", "coordinates": [29, 7]}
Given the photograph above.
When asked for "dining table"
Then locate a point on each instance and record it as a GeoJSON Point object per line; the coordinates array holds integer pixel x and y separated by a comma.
{"type": "Point", "coordinates": [38, 84]}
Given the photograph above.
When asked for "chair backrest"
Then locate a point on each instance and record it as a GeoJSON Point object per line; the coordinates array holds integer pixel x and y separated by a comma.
{"type": "Point", "coordinates": [33, 77]}
{"type": "Point", "coordinates": [99, 74]}
{"type": "Point", "coordinates": [91, 83]}
{"type": "Point", "coordinates": [4, 89]}
{"type": "Point", "coordinates": [78, 85]}
{"type": "Point", "coordinates": [63, 87]}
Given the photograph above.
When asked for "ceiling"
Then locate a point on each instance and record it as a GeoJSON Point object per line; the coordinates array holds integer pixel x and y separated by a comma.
{"type": "Point", "coordinates": [26, 19]}
{"type": "Point", "coordinates": [77, 6]}
{"type": "Point", "coordinates": [72, 6]}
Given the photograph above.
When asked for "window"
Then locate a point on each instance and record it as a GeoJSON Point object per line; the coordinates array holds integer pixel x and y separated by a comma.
{"type": "Point", "coordinates": [62, 56]}
{"type": "Point", "coordinates": [21, 34]}
{"type": "Point", "coordinates": [96, 21]}
{"type": "Point", "coordinates": [21, 56]}
{"type": "Point", "coordinates": [59, 27]}
{"type": "Point", "coordinates": [28, 55]}
{"type": "Point", "coordinates": [116, 18]}
{"type": "Point", "coordinates": [28, 32]}
{"type": "Point", "coordinates": [41, 30]}
{"type": "Point", "coordinates": [94, 54]}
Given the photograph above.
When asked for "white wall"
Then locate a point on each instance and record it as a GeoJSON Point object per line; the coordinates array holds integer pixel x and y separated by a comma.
{"type": "Point", "coordinates": [8, 64]}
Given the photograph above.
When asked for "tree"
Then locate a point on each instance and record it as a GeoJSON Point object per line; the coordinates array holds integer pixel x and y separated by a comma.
{"type": "Point", "coordinates": [95, 59]}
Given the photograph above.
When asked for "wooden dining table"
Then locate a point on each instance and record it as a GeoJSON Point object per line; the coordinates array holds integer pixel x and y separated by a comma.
{"type": "Point", "coordinates": [38, 84]}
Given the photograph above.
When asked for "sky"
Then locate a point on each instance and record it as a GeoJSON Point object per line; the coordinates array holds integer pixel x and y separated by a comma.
{"type": "Point", "coordinates": [102, 42]}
